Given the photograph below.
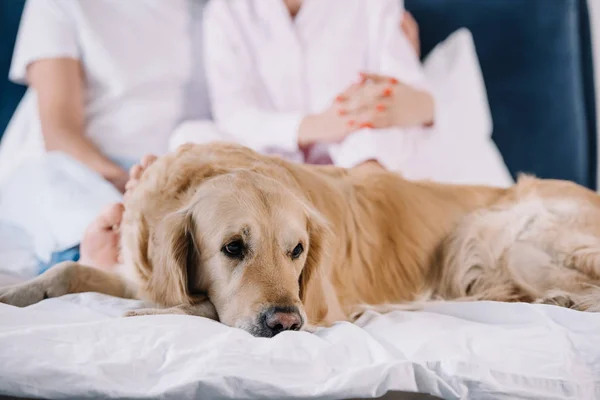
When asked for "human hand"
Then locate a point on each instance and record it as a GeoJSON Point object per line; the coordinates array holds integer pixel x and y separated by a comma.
{"type": "Point", "coordinates": [380, 101]}
{"type": "Point", "coordinates": [329, 126]}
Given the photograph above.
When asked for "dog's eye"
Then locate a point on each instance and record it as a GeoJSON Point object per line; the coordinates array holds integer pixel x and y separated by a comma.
{"type": "Point", "coordinates": [297, 251]}
{"type": "Point", "coordinates": [234, 249]}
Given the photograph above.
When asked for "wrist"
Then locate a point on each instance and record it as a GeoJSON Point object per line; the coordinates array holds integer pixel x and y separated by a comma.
{"type": "Point", "coordinates": [306, 131]}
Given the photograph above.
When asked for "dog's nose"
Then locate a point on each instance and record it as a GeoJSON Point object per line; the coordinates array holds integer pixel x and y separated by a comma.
{"type": "Point", "coordinates": [279, 319]}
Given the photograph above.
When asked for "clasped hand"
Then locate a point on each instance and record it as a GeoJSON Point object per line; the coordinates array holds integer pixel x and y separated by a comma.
{"type": "Point", "coordinates": [376, 102]}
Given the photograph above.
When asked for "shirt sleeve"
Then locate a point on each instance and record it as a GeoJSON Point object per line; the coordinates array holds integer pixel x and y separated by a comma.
{"type": "Point", "coordinates": [390, 54]}
{"type": "Point", "coordinates": [240, 106]}
{"type": "Point", "coordinates": [47, 30]}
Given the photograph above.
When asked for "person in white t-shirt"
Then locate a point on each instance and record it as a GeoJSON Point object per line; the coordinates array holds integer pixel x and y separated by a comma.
{"type": "Point", "coordinates": [109, 80]}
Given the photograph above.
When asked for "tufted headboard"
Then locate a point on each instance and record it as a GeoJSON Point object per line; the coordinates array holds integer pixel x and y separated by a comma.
{"type": "Point", "coordinates": [536, 58]}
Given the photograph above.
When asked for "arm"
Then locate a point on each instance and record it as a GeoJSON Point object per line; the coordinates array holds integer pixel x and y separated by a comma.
{"type": "Point", "coordinates": [46, 58]}
{"type": "Point", "coordinates": [59, 86]}
{"type": "Point", "coordinates": [240, 106]}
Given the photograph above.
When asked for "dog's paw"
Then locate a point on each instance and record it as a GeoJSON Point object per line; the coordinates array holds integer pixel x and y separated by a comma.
{"type": "Point", "coordinates": [310, 328]}
{"type": "Point", "coordinates": [22, 295]}
{"type": "Point", "coordinates": [557, 298]}
{"type": "Point", "coordinates": [204, 309]}
{"type": "Point", "coordinates": [144, 311]}
{"type": "Point", "coordinates": [358, 310]}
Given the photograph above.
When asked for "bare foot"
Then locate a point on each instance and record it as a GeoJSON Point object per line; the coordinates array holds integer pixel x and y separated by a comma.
{"type": "Point", "coordinates": [136, 172]}
{"type": "Point", "coordinates": [100, 244]}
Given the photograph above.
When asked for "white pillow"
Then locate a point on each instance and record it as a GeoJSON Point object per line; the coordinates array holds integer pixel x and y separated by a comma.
{"type": "Point", "coordinates": [453, 70]}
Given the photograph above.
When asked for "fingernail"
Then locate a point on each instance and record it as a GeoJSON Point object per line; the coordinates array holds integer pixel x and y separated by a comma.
{"type": "Point", "coordinates": [387, 92]}
{"type": "Point", "coordinates": [340, 98]}
{"type": "Point", "coordinates": [394, 81]}
{"type": "Point", "coordinates": [351, 122]}
{"type": "Point", "coordinates": [342, 112]}
{"type": "Point", "coordinates": [366, 125]}
{"type": "Point", "coordinates": [380, 107]}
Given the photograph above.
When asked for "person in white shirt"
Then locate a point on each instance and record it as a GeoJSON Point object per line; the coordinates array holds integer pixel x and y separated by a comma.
{"type": "Point", "coordinates": [276, 67]}
{"type": "Point", "coordinates": [109, 81]}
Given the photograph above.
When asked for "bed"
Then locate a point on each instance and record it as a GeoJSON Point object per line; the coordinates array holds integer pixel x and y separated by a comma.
{"type": "Point", "coordinates": [535, 56]}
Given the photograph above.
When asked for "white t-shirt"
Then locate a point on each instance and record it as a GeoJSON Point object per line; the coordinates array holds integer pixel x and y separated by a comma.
{"type": "Point", "coordinates": [142, 67]}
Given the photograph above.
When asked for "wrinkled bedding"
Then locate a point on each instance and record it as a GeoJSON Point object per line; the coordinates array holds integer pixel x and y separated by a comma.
{"type": "Point", "coordinates": [78, 346]}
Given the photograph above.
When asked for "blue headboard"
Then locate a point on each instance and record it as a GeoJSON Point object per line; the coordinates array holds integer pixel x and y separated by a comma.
{"type": "Point", "coordinates": [536, 58]}
{"type": "Point", "coordinates": [10, 94]}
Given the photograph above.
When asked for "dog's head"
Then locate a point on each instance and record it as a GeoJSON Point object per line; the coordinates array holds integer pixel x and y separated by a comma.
{"type": "Point", "coordinates": [249, 244]}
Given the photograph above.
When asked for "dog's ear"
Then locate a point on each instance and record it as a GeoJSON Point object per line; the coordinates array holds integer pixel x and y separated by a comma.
{"type": "Point", "coordinates": [312, 278]}
{"type": "Point", "coordinates": [174, 251]}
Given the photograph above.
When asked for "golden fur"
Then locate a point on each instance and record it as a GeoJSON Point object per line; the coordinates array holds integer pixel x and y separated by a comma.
{"type": "Point", "coordinates": [371, 240]}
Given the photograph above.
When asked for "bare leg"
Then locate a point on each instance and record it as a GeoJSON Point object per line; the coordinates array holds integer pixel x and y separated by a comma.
{"type": "Point", "coordinates": [100, 244]}
{"type": "Point", "coordinates": [65, 278]}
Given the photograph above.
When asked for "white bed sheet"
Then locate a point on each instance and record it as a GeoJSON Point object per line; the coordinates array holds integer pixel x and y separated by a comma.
{"type": "Point", "coordinates": [78, 346]}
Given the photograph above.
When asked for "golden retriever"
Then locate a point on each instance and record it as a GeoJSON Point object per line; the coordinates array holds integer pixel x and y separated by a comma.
{"type": "Point", "coordinates": [266, 245]}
